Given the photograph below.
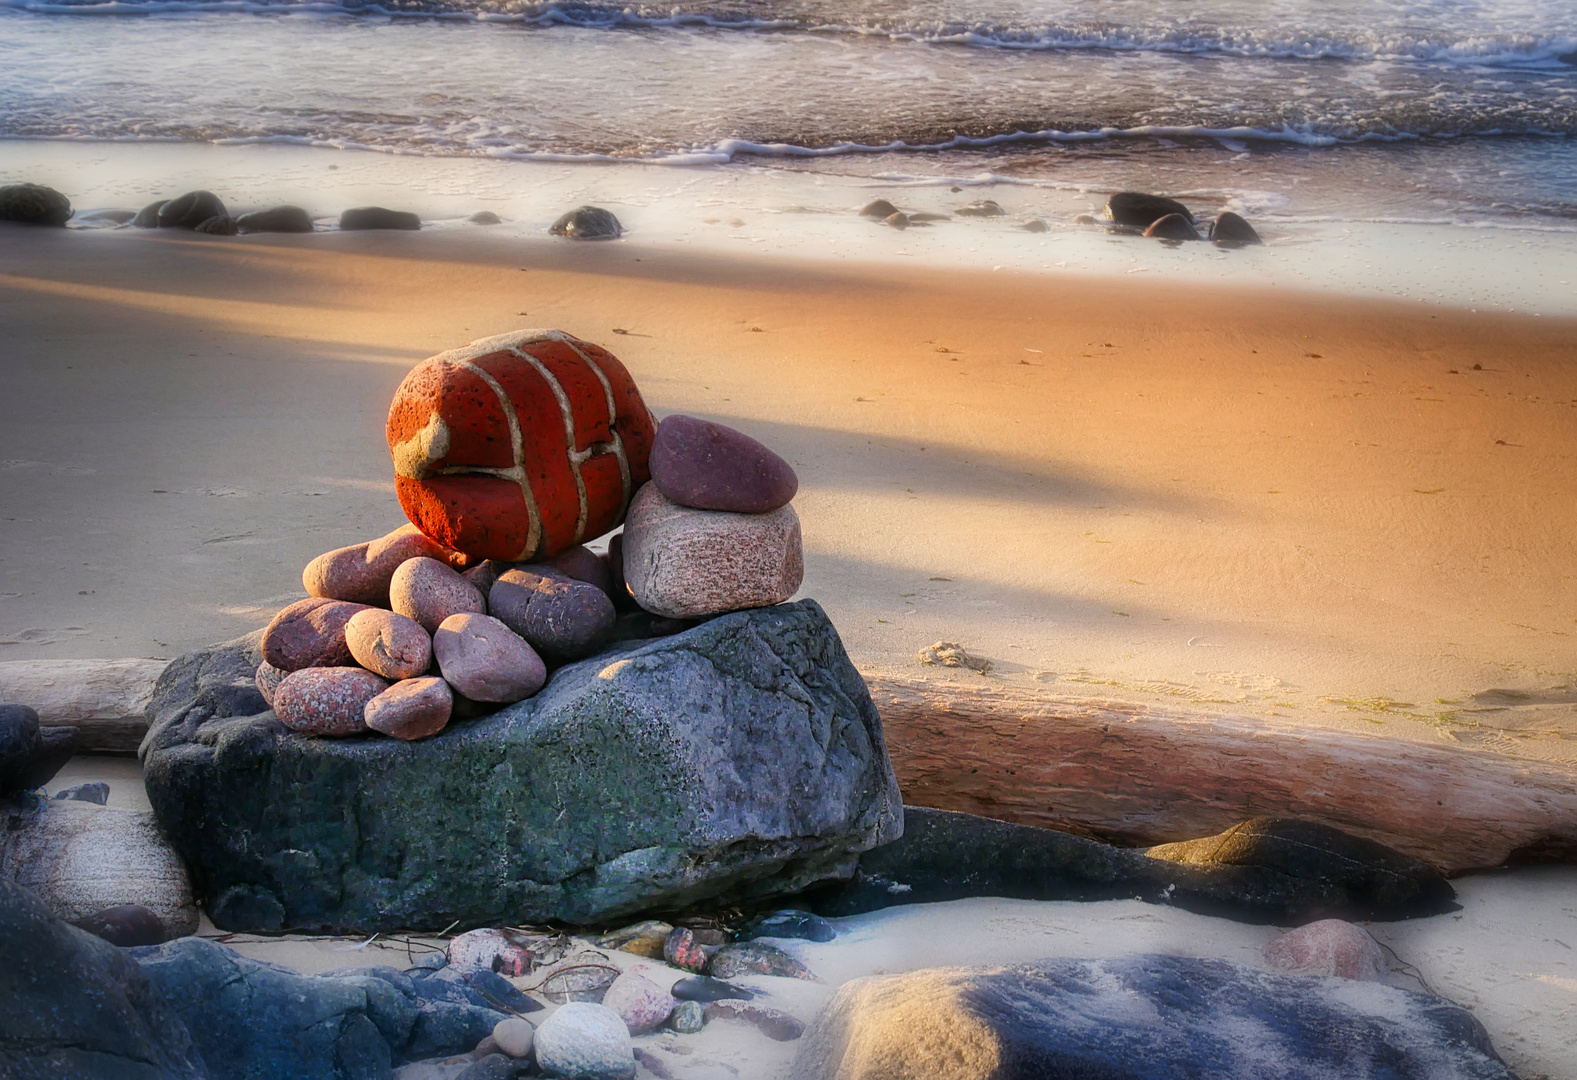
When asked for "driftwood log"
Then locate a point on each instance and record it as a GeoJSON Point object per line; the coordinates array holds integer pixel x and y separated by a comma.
{"type": "Point", "coordinates": [103, 699]}
{"type": "Point", "coordinates": [1125, 773]}
{"type": "Point", "coordinates": [1142, 775]}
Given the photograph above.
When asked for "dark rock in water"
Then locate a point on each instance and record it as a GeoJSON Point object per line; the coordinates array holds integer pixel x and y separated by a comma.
{"type": "Point", "coordinates": [708, 466]}
{"type": "Point", "coordinates": [1035, 225]}
{"type": "Point", "coordinates": [981, 208]}
{"type": "Point", "coordinates": [148, 216]}
{"type": "Point", "coordinates": [879, 209]}
{"type": "Point", "coordinates": [190, 210]}
{"type": "Point", "coordinates": [95, 792]}
{"type": "Point", "coordinates": [1290, 872]}
{"type": "Point", "coordinates": [789, 923]}
{"type": "Point", "coordinates": [285, 219]}
{"type": "Point", "coordinates": [33, 204]}
{"type": "Point", "coordinates": [1230, 229]}
{"type": "Point", "coordinates": [756, 958]}
{"type": "Point", "coordinates": [219, 225]}
{"type": "Point", "coordinates": [587, 223]}
{"type": "Point", "coordinates": [30, 754]}
{"type": "Point", "coordinates": [78, 1007]}
{"type": "Point", "coordinates": [1141, 1018]}
{"type": "Point", "coordinates": [896, 220]}
{"type": "Point", "coordinates": [558, 615]}
{"type": "Point", "coordinates": [377, 217]}
{"type": "Point", "coordinates": [126, 925]}
{"type": "Point", "coordinates": [1141, 211]}
{"type": "Point", "coordinates": [738, 760]}
{"type": "Point", "coordinates": [485, 217]}
{"type": "Point", "coordinates": [1172, 227]}
{"type": "Point", "coordinates": [705, 988]}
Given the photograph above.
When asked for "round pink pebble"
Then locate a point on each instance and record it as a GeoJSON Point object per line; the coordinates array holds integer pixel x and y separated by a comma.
{"type": "Point", "coordinates": [268, 678]}
{"type": "Point", "coordinates": [430, 591]}
{"type": "Point", "coordinates": [641, 1004]}
{"type": "Point", "coordinates": [487, 661]}
{"type": "Point", "coordinates": [309, 633]}
{"type": "Point", "coordinates": [361, 572]}
{"type": "Point", "coordinates": [412, 709]}
{"type": "Point", "coordinates": [388, 644]}
{"type": "Point", "coordinates": [326, 700]}
{"type": "Point", "coordinates": [1328, 947]}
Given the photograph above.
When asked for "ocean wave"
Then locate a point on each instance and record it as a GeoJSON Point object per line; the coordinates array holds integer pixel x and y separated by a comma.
{"type": "Point", "coordinates": [1556, 51]}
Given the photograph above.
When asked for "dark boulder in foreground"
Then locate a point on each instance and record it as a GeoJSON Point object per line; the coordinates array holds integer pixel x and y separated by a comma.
{"type": "Point", "coordinates": [739, 759]}
{"type": "Point", "coordinates": [377, 217]}
{"type": "Point", "coordinates": [587, 223]}
{"type": "Point", "coordinates": [191, 210]}
{"type": "Point", "coordinates": [34, 204]}
{"type": "Point", "coordinates": [878, 209]}
{"type": "Point", "coordinates": [78, 1007]}
{"type": "Point", "coordinates": [1139, 1018]}
{"type": "Point", "coordinates": [1267, 870]}
{"type": "Point", "coordinates": [1172, 227]}
{"type": "Point", "coordinates": [981, 208]}
{"type": "Point", "coordinates": [1230, 229]}
{"type": "Point", "coordinates": [1140, 211]}
{"type": "Point", "coordinates": [30, 754]}
{"type": "Point", "coordinates": [285, 219]}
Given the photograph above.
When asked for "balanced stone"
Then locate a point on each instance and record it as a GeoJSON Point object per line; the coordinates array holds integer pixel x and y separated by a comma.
{"type": "Point", "coordinates": [190, 210]}
{"type": "Point", "coordinates": [559, 616]}
{"type": "Point", "coordinates": [1328, 947]}
{"type": "Point", "coordinates": [585, 1041]}
{"type": "Point", "coordinates": [329, 701]}
{"type": "Point", "coordinates": [33, 204]}
{"type": "Point", "coordinates": [518, 446]}
{"type": "Point", "coordinates": [360, 573]}
{"type": "Point", "coordinates": [737, 761]}
{"type": "Point", "coordinates": [1172, 227]}
{"type": "Point", "coordinates": [685, 563]}
{"type": "Point", "coordinates": [389, 644]}
{"type": "Point", "coordinates": [309, 633]}
{"type": "Point", "coordinates": [1228, 229]}
{"type": "Point", "coordinates": [587, 223]}
{"type": "Point", "coordinates": [428, 592]}
{"type": "Point", "coordinates": [1140, 211]}
{"type": "Point", "coordinates": [708, 466]}
{"type": "Point", "coordinates": [283, 219]}
{"type": "Point", "coordinates": [487, 661]}
{"type": "Point", "coordinates": [378, 217]}
{"type": "Point", "coordinates": [412, 709]}
{"type": "Point", "coordinates": [641, 1004]}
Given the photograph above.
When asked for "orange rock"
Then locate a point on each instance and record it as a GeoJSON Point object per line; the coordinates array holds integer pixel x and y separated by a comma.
{"type": "Point", "coordinates": [519, 446]}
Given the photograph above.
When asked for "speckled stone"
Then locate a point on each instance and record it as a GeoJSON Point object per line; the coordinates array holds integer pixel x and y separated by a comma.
{"type": "Point", "coordinates": [388, 644]}
{"type": "Point", "coordinates": [329, 701]}
{"type": "Point", "coordinates": [708, 466]}
{"type": "Point", "coordinates": [411, 709]}
{"type": "Point", "coordinates": [1328, 947]}
{"type": "Point", "coordinates": [688, 1017]}
{"type": "Point", "coordinates": [268, 678]}
{"type": "Point", "coordinates": [361, 572]}
{"type": "Point", "coordinates": [489, 949]}
{"type": "Point", "coordinates": [756, 958]}
{"type": "Point", "coordinates": [560, 616]}
{"type": "Point", "coordinates": [684, 563]}
{"type": "Point", "coordinates": [585, 1041]}
{"type": "Point", "coordinates": [642, 1004]}
{"type": "Point", "coordinates": [309, 633]}
{"type": "Point", "coordinates": [487, 661]}
{"type": "Point", "coordinates": [429, 591]}
{"type": "Point", "coordinates": [683, 951]}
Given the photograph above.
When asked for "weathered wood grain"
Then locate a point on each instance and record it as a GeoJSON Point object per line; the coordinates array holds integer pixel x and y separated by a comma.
{"type": "Point", "coordinates": [103, 699]}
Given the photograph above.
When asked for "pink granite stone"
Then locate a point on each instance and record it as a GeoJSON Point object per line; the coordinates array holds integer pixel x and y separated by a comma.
{"type": "Point", "coordinates": [1328, 947]}
{"type": "Point", "coordinates": [328, 701]}
{"type": "Point", "coordinates": [411, 709]}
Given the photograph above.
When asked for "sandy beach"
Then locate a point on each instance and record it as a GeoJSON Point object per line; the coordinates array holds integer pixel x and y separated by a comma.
{"type": "Point", "coordinates": [1260, 501]}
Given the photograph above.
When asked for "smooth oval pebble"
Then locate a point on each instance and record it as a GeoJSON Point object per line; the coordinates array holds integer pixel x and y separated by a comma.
{"type": "Point", "coordinates": [487, 661]}
{"type": "Point", "coordinates": [705, 988]}
{"type": "Point", "coordinates": [586, 1041]}
{"type": "Point", "coordinates": [328, 701]}
{"type": "Point", "coordinates": [361, 572]}
{"type": "Point", "coordinates": [514, 1036]}
{"type": "Point", "coordinates": [558, 615]}
{"type": "Point", "coordinates": [126, 925]}
{"type": "Point", "coordinates": [688, 1017]}
{"type": "Point", "coordinates": [707, 466]}
{"type": "Point", "coordinates": [388, 644]}
{"type": "Point", "coordinates": [411, 709]}
{"type": "Point", "coordinates": [430, 591]}
{"type": "Point", "coordinates": [643, 1005]}
{"type": "Point", "coordinates": [309, 633]}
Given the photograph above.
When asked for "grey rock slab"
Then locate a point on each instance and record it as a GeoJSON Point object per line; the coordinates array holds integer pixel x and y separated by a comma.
{"type": "Point", "coordinates": [1139, 1018]}
{"type": "Point", "coordinates": [739, 760]}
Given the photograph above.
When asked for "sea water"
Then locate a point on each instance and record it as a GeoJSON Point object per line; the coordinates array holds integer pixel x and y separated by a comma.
{"type": "Point", "coordinates": [1316, 121]}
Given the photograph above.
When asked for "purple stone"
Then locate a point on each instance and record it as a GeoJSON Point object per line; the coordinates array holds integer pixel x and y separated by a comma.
{"type": "Point", "coordinates": [707, 466]}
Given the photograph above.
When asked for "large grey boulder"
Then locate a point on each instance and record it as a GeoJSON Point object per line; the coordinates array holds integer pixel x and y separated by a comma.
{"type": "Point", "coordinates": [1138, 1018]}
{"type": "Point", "coordinates": [73, 1007]}
{"type": "Point", "coordinates": [737, 760]}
